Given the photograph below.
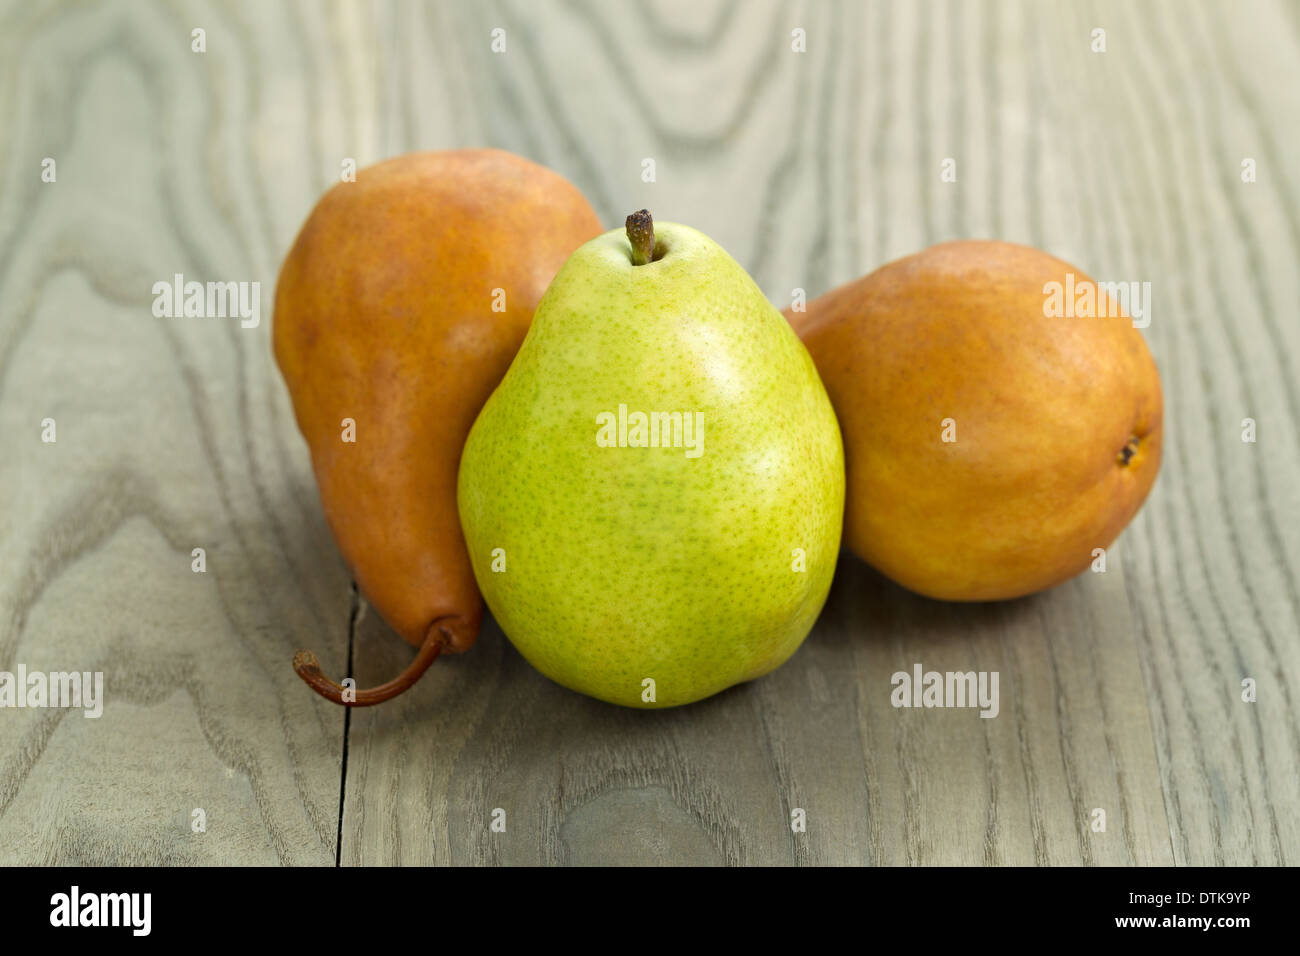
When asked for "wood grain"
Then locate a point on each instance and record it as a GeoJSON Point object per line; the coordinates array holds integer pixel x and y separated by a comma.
{"type": "Point", "coordinates": [1119, 691]}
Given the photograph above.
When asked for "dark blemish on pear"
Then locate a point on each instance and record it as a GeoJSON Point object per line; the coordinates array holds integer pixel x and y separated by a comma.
{"type": "Point", "coordinates": [1129, 450]}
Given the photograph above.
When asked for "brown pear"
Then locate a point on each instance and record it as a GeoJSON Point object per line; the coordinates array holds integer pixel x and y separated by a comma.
{"type": "Point", "coordinates": [998, 428]}
{"type": "Point", "coordinates": [399, 309]}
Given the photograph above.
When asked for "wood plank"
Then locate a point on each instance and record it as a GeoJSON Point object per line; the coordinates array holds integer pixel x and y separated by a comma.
{"type": "Point", "coordinates": [1119, 691]}
{"type": "Point", "coordinates": [172, 434]}
{"type": "Point", "coordinates": [581, 782]}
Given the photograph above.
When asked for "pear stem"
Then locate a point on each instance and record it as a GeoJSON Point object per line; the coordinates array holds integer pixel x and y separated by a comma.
{"type": "Point", "coordinates": [641, 233]}
{"type": "Point", "coordinates": [308, 668]}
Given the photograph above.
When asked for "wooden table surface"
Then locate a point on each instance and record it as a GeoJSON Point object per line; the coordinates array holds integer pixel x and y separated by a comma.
{"type": "Point", "coordinates": [1119, 691]}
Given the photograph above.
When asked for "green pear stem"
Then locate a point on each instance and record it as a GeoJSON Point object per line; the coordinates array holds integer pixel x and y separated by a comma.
{"type": "Point", "coordinates": [308, 668]}
{"type": "Point", "coordinates": [641, 233]}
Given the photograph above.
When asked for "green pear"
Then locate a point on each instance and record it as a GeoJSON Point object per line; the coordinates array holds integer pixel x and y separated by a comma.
{"type": "Point", "coordinates": [653, 495]}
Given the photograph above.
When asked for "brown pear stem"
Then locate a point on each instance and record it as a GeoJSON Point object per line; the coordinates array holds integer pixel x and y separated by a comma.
{"type": "Point", "coordinates": [641, 233]}
{"type": "Point", "coordinates": [308, 668]}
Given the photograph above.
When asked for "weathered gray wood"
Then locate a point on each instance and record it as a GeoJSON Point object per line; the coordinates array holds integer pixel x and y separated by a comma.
{"type": "Point", "coordinates": [1119, 691]}
{"type": "Point", "coordinates": [172, 434]}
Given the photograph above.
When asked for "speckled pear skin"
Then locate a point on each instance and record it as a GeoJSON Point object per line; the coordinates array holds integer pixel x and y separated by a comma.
{"type": "Point", "coordinates": [1042, 471]}
{"type": "Point", "coordinates": [627, 563]}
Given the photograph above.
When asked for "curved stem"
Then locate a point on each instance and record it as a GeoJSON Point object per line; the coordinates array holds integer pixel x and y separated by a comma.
{"type": "Point", "coordinates": [308, 668]}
